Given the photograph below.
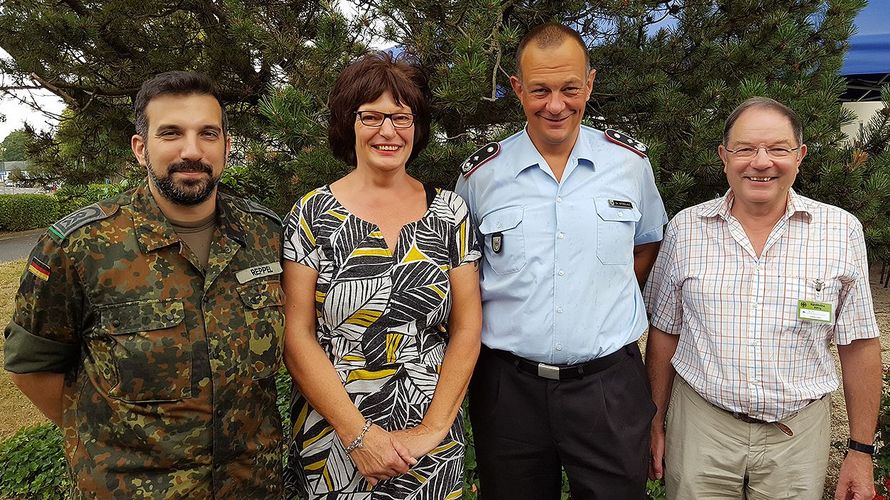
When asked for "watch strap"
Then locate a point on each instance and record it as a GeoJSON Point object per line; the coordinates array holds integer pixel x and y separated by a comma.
{"type": "Point", "coordinates": [868, 449]}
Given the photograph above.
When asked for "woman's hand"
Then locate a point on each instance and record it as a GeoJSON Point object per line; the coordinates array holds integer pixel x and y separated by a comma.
{"type": "Point", "coordinates": [420, 440]}
{"type": "Point", "coordinates": [381, 456]}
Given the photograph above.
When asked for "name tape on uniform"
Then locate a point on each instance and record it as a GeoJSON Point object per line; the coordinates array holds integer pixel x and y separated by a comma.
{"type": "Point", "coordinates": [620, 204]}
{"type": "Point", "coordinates": [245, 275]}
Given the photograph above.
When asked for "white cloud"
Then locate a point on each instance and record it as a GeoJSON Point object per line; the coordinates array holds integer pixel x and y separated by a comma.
{"type": "Point", "coordinates": [17, 113]}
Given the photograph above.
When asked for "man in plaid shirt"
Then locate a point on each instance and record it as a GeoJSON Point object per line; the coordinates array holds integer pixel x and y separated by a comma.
{"type": "Point", "coordinates": [747, 294]}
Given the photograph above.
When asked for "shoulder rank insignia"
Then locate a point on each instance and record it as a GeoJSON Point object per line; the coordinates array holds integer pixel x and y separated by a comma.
{"type": "Point", "coordinates": [71, 222]}
{"type": "Point", "coordinates": [626, 141]}
{"type": "Point", "coordinates": [256, 208]}
{"type": "Point", "coordinates": [480, 157]}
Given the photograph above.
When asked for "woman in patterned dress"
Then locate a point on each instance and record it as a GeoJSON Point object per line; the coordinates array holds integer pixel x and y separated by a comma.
{"type": "Point", "coordinates": [375, 266]}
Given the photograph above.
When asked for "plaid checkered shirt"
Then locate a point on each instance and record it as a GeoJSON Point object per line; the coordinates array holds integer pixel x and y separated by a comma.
{"type": "Point", "coordinates": [742, 345]}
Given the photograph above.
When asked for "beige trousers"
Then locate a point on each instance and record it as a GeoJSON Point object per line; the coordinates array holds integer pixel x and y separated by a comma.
{"type": "Point", "coordinates": [709, 454]}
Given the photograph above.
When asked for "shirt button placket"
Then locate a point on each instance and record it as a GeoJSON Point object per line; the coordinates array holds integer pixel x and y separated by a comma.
{"type": "Point", "coordinates": [558, 209]}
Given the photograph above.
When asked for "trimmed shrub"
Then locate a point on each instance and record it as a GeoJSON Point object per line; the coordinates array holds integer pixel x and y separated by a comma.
{"type": "Point", "coordinates": [33, 465]}
{"type": "Point", "coordinates": [19, 212]}
{"type": "Point", "coordinates": [72, 198]}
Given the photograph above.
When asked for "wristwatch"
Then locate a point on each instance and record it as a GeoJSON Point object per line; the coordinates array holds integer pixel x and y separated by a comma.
{"type": "Point", "coordinates": [868, 449]}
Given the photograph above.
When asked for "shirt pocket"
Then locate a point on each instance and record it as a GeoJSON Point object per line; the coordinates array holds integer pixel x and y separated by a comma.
{"type": "Point", "coordinates": [151, 350]}
{"type": "Point", "coordinates": [264, 320]}
{"type": "Point", "coordinates": [812, 289]}
{"type": "Point", "coordinates": [615, 229]}
{"type": "Point", "coordinates": [502, 231]}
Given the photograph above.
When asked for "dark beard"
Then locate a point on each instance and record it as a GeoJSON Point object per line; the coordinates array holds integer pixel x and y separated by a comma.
{"type": "Point", "coordinates": [186, 193]}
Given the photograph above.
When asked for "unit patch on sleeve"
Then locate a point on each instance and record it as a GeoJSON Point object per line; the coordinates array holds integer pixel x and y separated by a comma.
{"type": "Point", "coordinates": [38, 269]}
{"type": "Point", "coordinates": [61, 229]}
{"type": "Point", "coordinates": [626, 141]}
{"type": "Point", "coordinates": [480, 157]}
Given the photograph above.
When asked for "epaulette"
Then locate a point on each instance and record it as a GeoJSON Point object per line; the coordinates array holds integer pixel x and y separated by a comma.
{"type": "Point", "coordinates": [256, 208]}
{"type": "Point", "coordinates": [71, 222]}
{"type": "Point", "coordinates": [480, 157]}
{"type": "Point", "coordinates": [624, 140]}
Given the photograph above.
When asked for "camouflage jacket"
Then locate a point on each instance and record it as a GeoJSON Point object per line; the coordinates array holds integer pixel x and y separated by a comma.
{"type": "Point", "coordinates": [170, 369]}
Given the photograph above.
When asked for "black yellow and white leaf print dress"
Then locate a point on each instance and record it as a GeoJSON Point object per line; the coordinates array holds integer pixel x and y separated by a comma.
{"type": "Point", "coordinates": [381, 320]}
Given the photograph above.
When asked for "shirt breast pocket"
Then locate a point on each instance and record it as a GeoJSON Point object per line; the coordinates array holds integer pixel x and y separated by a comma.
{"type": "Point", "coordinates": [504, 240]}
{"type": "Point", "coordinates": [819, 307]}
{"type": "Point", "coordinates": [615, 229]}
{"type": "Point", "coordinates": [264, 321]}
{"type": "Point", "coordinates": [151, 351]}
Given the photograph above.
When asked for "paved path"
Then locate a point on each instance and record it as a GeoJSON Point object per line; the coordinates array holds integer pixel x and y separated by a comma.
{"type": "Point", "coordinates": [15, 246]}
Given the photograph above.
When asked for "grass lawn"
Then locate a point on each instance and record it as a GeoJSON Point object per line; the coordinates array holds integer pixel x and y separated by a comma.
{"type": "Point", "coordinates": [17, 411]}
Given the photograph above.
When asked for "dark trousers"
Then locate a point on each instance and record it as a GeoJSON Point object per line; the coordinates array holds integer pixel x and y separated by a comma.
{"type": "Point", "coordinates": [526, 427]}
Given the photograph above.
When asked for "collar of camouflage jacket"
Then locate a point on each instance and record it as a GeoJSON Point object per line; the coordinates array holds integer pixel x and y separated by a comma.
{"type": "Point", "coordinates": [154, 231]}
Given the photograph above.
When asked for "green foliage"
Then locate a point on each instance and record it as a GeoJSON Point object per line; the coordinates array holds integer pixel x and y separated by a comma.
{"type": "Point", "coordinates": [284, 384]}
{"type": "Point", "coordinates": [19, 212]}
{"type": "Point", "coordinates": [14, 146]}
{"type": "Point", "coordinates": [276, 61]}
{"type": "Point", "coordinates": [471, 477]}
{"type": "Point", "coordinates": [33, 464]}
{"type": "Point", "coordinates": [655, 490]}
{"type": "Point", "coordinates": [73, 197]}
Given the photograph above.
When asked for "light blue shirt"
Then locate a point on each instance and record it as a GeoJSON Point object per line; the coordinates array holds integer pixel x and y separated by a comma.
{"type": "Point", "coordinates": [562, 288]}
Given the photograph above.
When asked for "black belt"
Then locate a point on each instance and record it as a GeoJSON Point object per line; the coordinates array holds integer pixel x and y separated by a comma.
{"type": "Point", "coordinates": [565, 372]}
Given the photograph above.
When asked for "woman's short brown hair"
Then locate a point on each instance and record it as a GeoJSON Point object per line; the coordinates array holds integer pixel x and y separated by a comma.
{"type": "Point", "coordinates": [364, 81]}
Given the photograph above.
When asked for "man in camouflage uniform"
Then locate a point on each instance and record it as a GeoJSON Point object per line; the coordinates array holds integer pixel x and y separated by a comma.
{"type": "Point", "coordinates": [149, 326]}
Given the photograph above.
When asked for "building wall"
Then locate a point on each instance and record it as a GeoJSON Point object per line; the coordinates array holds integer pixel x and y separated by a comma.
{"type": "Point", "coordinates": [864, 111]}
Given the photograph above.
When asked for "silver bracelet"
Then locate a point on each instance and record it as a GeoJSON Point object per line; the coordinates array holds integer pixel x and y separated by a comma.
{"type": "Point", "coordinates": [359, 440]}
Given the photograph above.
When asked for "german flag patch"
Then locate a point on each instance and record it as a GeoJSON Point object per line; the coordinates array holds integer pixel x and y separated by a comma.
{"type": "Point", "coordinates": [38, 269]}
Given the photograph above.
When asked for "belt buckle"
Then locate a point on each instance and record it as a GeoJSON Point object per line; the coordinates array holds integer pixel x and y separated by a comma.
{"type": "Point", "coordinates": [548, 371]}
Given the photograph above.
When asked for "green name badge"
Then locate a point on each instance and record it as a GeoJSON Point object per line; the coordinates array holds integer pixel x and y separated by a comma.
{"type": "Point", "coordinates": [814, 311]}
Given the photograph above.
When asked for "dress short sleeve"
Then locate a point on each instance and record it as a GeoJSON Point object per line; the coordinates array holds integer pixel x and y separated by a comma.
{"type": "Point", "coordinates": [300, 244]}
{"type": "Point", "coordinates": [463, 245]}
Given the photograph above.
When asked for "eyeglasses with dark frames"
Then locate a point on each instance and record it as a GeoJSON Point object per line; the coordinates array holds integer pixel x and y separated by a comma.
{"type": "Point", "coordinates": [376, 118]}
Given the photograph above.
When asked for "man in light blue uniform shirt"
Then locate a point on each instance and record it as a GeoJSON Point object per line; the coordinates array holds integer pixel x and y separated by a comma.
{"type": "Point", "coordinates": [571, 222]}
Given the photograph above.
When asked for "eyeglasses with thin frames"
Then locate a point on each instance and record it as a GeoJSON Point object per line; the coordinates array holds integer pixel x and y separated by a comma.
{"type": "Point", "coordinates": [749, 152]}
{"type": "Point", "coordinates": [376, 118]}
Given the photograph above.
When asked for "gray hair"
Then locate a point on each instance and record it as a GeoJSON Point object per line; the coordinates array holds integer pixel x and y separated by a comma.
{"type": "Point", "coordinates": [763, 103]}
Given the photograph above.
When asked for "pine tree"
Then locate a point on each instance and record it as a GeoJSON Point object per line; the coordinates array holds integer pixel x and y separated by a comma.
{"type": "Point", "coordinates": [668, 72]}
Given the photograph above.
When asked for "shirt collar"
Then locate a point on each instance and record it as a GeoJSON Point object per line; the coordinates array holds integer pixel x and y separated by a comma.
{"type": "Point", "coordinates": [721, 206]}
{"type": "Point", "coordinates": [153, 229]}
{"type": "Point", "coordinates": [526, 150]}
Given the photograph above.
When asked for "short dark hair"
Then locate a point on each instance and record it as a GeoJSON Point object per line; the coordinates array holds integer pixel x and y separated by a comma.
{"type": "Point", "coordinates": [365, 80]}
{"type": "Point", "coordinates": [763, 103]}
{"type": "Point", "coordinates": [550, 35]}
{"type": "Point", "coordinates": [175, 83]}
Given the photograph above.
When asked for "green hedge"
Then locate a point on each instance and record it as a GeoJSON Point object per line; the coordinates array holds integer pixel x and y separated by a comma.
{"type": "Point", "coordinates": [19, 212]}
{"type": "Point", "coordinates": [72, 198]}
{"type": "Point", "coordinates": [32, 465]}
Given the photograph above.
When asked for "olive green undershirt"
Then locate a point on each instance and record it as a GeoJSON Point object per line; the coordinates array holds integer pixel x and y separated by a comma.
{"type": "Point", "coordinates": [197, 236]}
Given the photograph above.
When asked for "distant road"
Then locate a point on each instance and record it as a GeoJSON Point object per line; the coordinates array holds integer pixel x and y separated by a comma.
{"type": "Point", "coordinates": [18, 190]}
{"type": "Point", "coordinates": [15, 246]}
